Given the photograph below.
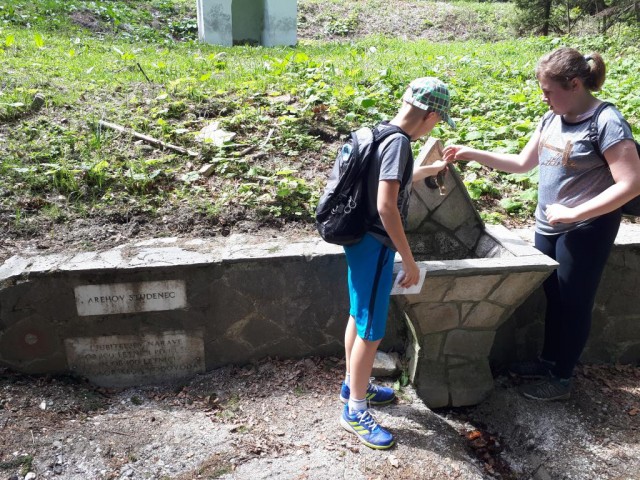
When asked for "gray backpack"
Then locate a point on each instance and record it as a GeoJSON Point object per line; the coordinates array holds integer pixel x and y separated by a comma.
{"type": "Point", "coordinates": [632, 207]}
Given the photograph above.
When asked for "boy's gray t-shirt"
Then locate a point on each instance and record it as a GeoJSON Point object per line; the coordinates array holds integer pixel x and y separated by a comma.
{"type": "Point", "coordinates": [393, 161]}
{"type": "Point", "coordinates": [571, 171]}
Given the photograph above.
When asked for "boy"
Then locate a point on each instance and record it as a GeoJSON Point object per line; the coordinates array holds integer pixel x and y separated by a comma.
{"type": "Point", "coordinates": [370, 261]}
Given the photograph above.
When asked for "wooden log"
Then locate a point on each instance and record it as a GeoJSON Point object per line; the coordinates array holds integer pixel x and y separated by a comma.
{"type": "Point", "coordinates": [146, 138]}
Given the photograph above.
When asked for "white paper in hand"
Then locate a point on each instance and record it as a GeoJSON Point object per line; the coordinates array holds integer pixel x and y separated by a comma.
{"type": "Point", "coordinates": [412, 290]}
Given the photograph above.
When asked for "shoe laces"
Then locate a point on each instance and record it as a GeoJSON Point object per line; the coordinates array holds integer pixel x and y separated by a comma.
{"type": "Point", "coordinates": [366, 419]}
{"type": "Point", "coordinates": [372, 386]}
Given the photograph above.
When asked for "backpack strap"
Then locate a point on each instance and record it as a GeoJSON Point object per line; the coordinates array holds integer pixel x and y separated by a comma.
{"type": "Point", "coordinates": [378, 136]}
{"type": "Point", "coordinates": [593, 129]}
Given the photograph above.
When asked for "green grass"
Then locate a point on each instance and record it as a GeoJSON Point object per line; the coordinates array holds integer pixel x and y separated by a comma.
{"type": "Point", "coordinates": [290, 104]}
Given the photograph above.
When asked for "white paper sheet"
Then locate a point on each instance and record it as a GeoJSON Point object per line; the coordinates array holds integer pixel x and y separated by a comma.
{"type": "Point", "coordinates": [398, 290]}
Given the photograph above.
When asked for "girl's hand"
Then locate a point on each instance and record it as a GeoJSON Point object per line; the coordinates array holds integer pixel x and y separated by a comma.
{"type": "Point", "coordinates": [453, 153]}
{"type": "Point", "coordinates": [557, 213]}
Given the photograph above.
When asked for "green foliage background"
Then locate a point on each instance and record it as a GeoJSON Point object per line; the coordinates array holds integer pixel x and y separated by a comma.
{"type": "Point", "coordinates": [138, 64]}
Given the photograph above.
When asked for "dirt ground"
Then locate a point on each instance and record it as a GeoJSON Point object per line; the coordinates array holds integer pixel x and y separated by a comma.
{"type": "Point", "coordinates": [278, 419]}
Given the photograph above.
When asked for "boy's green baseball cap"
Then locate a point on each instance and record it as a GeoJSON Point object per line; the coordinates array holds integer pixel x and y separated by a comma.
{"type": "Point", "coordinates": [429, 93]}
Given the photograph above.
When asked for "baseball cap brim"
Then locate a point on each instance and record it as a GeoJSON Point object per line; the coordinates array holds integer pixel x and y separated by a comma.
{"type": "Point", "coordinates": [448, 119]}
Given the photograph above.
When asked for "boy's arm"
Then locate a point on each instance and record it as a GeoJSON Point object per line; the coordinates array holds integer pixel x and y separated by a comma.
{"type": "Point", "coordinates": [424, 171]}
{"type": "Point", "coordinates": [387, 203]}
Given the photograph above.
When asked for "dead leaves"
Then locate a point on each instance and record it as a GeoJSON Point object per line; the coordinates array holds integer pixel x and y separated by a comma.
{"type": "Point", "coordinates": [620, 384]}
{"type": "Point", "coordinates": [487, 448]}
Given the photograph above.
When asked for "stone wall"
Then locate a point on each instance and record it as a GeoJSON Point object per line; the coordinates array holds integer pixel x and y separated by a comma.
{"type": "Point", "coordinates": [615, 334]}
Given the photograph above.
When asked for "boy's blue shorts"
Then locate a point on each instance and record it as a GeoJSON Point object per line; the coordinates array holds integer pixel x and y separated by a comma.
{"type": "Point", "coordinates": [370, 280]}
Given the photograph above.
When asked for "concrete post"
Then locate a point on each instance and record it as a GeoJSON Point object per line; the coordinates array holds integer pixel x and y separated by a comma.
{"type": "Point", "coordinates": [265, 22]}
{"type": "Point", "coordinates": [280, 22]}
{"type": "Point", "coordinates": [215, 22]}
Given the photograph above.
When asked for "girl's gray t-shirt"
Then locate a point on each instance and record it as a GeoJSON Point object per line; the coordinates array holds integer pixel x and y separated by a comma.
{"type": "Point", "coordinates": [571, 171]}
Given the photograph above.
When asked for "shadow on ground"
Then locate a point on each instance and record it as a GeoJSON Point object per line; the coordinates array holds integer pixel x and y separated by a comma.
{"type": "Point", "coordinates": [278, 419]}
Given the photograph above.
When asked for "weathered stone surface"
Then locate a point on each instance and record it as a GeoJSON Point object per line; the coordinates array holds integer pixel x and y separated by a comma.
{"type": "Point", "coordinates": [14, 267]}
{"type": "Point", "coordinates": [436, 317]}
{"type": "Point", "coordinates": [431, 383]}
{"type": "Point", "coordinates": [471, 344]}
{"type": "Point", "coordinates": [511, 241]}
{"type": "Point", "coordinates": [417, 213]}
{"type": "Point", "coordinates": [128, 360]}
{"type": "Point", "coordinates": [386, 364]}
{"type": "Point", "coordinates": [487, 246]}
{"type": "Point", "coordinates": [472, 288]}
{"type": "Point", "coordinates": [431, 346]}
{"type": "Point", "coordinates": [484, 315]}
{"type": "Point", "coordinates": [433, 290]}
{"type": "Point", "coordinates": [454, 212]}
{"type": "Point", "coordinates": [630, 354]}
{"type": "Point", "coordinates": [115, 298]}
{"type": "Point", "coordinates": [469, 233]}
{"type": "Point", "coordinates": [470, 384]}
{"type": "Point", "coordinates": [429, 196]}
{"type": "Point", "coordinates": [430, 245]}
{"type": "Point", "coordinates": [516, 287]}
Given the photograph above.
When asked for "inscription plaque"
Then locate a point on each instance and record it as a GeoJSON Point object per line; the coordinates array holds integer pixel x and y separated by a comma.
{"type": "Point", "coordinates": [129, 360]}
{"type": "Point", "coordinates": [116, 298]}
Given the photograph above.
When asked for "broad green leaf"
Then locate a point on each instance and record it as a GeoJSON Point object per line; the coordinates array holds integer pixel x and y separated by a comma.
{"type": "Point", "coordinates": [39, 40]}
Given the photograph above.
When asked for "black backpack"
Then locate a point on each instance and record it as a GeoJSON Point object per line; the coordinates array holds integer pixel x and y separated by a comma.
{"type": "Point", "coordinates": [342, 214]}
{"type": "Point", "coordinates": [632, 207]}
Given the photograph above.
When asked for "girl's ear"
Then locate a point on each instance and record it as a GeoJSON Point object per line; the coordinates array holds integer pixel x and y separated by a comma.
{"type": "Point", "coordinates": [575, 83]}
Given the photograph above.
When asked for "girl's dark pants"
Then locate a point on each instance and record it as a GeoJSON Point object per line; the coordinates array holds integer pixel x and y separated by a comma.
{"type": "Point", "coordinates": [571, 289]}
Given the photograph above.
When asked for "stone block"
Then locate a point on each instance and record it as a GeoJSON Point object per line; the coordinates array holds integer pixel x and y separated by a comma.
{"type": "Point", "coordinates": [484, 315]}
{"type": "Point", "coordinates": [436, 317]}
{"type": "Point", "coordinates": [472, 288]}
{"type": "Point", "coordinates": [486, 246]}
{"type": "Point", "coordinates": [418, 211]}
{"type": "Point", "coordinates": [433, 290]}
{"type": "Point", "coordinates": [431, 384]}
{"type": "Point", "coordinates": [470, 233]}
{"type": "Point", "coordinates": [454, 211]}
{"type": "Point", "coordinates": [630, 354]}
{"type": "Point", "coordinates": [470, 384]}
{"type": "Point", "coordinates": [439, 245]}
{"type": "Point", "coordinates": [429, 196]}
{"type": "Point", "coordinates": [29, 340]}
{"type": "Point", "coordinates": [470, 344]}
{"type": "Point", "coordinates": [516, 287]}
{"type": "Point", "coordinates": [621, 329]}
{"type": "Point", "coordinates": [386, 364]}
{"type": "Point", "coordinates": [14, 267]}
{"type": "Point", "coordinates": [431, 346]}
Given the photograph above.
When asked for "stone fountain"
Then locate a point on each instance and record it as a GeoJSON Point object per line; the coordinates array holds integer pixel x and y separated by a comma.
{"type": "Point", "coordinates": [476, 276]}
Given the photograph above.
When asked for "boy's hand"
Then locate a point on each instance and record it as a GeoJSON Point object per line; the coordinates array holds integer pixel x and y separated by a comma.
{"type": "Point", "coordinates": [411, 274]}
{"type": "Point", "coordinates": [439, 165]}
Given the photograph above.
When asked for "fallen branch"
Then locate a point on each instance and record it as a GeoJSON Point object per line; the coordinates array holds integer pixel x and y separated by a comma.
{"type": "Point", "coordinates": [117, 433]}
{"type": "Point", "coordinates": [146, 138]}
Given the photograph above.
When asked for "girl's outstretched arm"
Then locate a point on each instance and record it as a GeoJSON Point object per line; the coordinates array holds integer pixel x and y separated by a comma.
{"type": "Point", "coordinates": [526, 160]}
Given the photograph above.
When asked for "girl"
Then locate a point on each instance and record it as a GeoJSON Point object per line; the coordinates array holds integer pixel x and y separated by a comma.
{"type": "Point", "coordinates": [579, 200]}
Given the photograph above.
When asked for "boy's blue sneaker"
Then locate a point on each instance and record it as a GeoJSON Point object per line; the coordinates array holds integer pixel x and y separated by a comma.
{"type": "Point", "coordinates": [376, 394]}
{"type": "Point", "coordinates": [366, 429]}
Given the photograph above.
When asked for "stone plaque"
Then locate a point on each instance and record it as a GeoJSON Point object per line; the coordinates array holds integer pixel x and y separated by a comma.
{"type": "Point", "coordinates": [115, 298]}
{"type": "Point", "coordinates": [129, 360]}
